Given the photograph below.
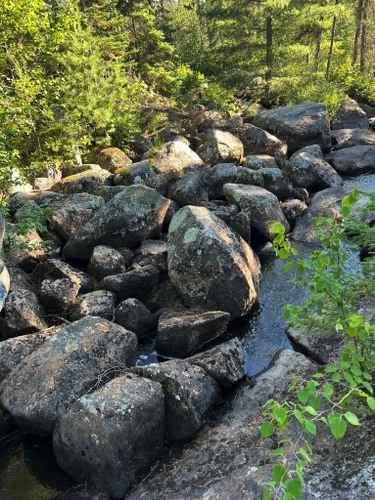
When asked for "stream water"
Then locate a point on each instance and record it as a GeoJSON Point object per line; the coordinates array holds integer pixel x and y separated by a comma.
{"type": "Point", "coordinates": [28, 470]}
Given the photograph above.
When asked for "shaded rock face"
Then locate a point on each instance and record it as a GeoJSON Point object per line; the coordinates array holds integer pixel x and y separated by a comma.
{"type": "Point", "coordinates": [142, 172]}
{"type": "Point", "coordinates": [133, 315]}
{"type": "Point", "coordinates": [219, 147]}
{"type": "Point", "coordinates": [305, 225]}
{"type": "Point", "coordinates": [259, 142]}
{"type": "Point", "coordinates": [180, 333]}
{"type": "Point", "coordinates": [105, 261]}
{"type": "Point", "coordinates": [277, 182]}
{"type": "Point", "coordinates": [137, 283]}
{"type": "Point", "coordinates": [300, 125]}
{"type": "Point", "coordinates": [211, 266]}
{"type": "Point", "coordinates": [347, 138]}
{"type": "Point", "coordinates": [100, 303]}
{"type": "Point", "coordinates": [41, 388]}
{"type": "Point", "coordinates": [114, 435]}
{"type": "Point", "coordinates": [350, 115]}
{"type": "Point", "coordinates": [262, 204]}
{"type": "Point", "coordinates": [133, 215]}
{"type": "Point", "coordinates": [189, 190]}
{"type": "Point", "coordinates": [189, 393]}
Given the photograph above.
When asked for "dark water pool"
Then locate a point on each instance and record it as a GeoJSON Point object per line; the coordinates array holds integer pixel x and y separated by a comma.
{"type": "Point", "coordinates": [28, 470]}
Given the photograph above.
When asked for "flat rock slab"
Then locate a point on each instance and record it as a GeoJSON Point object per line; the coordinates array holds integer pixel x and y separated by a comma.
{"type": "Point", "coordinates": [299, 125]}
{"type": "Point", "coordinates": [354, 160]}
{"type": "Point", "coordinates": [225, 363]}
{"type": "Point", "coordinates": [43, 385]}
{"type": "Point", "coordinates": [110, 437]}
{"type": "Point", "coordinates": [189, 393]}
{"type": "Point", "coordinates": [262, 204]}
{"type": "Point", "coordinates": [180, 333]}
{"type": "Point", "coordinates": [136, 284]}
{"type": "Point", "coordinates": [211, 267]}
{"type": "Point", "coordinates": [133, 215]}
{"type": "Point", "coordinates": [324, 349]}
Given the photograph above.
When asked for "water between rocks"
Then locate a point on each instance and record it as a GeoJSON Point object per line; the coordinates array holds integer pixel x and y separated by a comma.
{"type": "Point", "coordinates": [28, 470]}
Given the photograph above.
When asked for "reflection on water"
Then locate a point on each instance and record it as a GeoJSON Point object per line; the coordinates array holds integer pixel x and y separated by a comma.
{"type": "Point", "coordinates": [28, 469]}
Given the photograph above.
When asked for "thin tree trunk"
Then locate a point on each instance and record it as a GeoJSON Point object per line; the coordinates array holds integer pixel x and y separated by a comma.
{"type": "Point", "coordinates": [333, 29]}
{"type": "Point", "coordinates": [269, 55]}
{"type": "Point", "coordinates": [317, 47]}
{"type": "Point", "coordinates": [357, 31]}
{"type": "Point", "coordinates": [362, 56]}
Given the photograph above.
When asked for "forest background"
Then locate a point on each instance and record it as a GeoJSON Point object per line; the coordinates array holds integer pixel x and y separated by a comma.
{"type": "Point", "coordinates": [80, 75]}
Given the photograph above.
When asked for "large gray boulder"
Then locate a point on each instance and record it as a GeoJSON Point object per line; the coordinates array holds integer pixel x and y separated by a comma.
{"type": "Point", "coordinates": [347, 138]}
{"type": "Point", "coordinates": [259, 142]}
{"type": "Point", "coordinates": [137, 283]}
{"type": "Point", "coordinates": [350, 115]}
{"type": "Point", "coordinates": [299, 125]}
{"type": "Point", "coordinates": [142, 172]}
{"type": "Point", "coordinates": [112, 436]}
{"type": "Point", "coordinates": [23, 314]}
{"type": "Point", "coordinates": [354, 160]}
{"type": "Point", "coordinates": [41, 388]}
{"type": "Point", "coordinates": [263, 205]}
{"type": "Point", "coordinates": [189, 190]}
{"type": "Point", "coordinates": [218, 146]}
{"type": "Point", "coordinates": [222, 173]}
{"type": "Point", "coordinates": [174, 157]}
{"type": "Point", "coordinates": [133, 215]}
{"type": "Point", "coordinates": [277, 182]}
{"type": "Point", "coordinates": [112, 158]}
{"type": "Point", "coordinates": [100, 303]}
{"type": "Point", "coordinates": [133, 315]}
{"type": "Point", "coordinates": [180, 333]}
{"type": "Point", "coordinates": [311, 173]}
{"type": "Point", "coordinates": [189, 393]}
{"type": "Point", "coordinates": [83, 182]}
{"type": "Point", "coordinates": [105, 261]}
{"type": "Point", "coordinates": [305, 224]}
{"type": "Point", "coordinates": [211, 266]}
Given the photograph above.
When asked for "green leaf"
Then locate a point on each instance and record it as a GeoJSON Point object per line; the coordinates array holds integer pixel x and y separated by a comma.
{"type": "Point", "coordinates": [310, 427]}
{"type": "Point", "coordinates": [303, 395]}
{"type": "Point", "coordinates": [352, 331]}
{"type": "Point", "coordinates": [331, 368]}
{"type": "Point", "coordinates": [351, 418]}
{"type": "Point", "coordinates": [344, 364]}
{"type": "Point", "coordinates": [366, 375]}
{"type": "Point", "coordinates": [349, 379]}
{"type": "Point", "coordinates": [311, 410]}
{"type": "Point", "coordinates": [300, 267]}
{"type": "Point", "coordinates": [356, 370]}
{"type": "Point", "coordinates": [294, 488]}
{"type": "Point", "coordinates": [314, 402]}
{"type": "Point", "coordinates": [338, 427]}
{"type": "Point", "coordinates": [371, 403]}
{"type": "Point", "coordinates": [283, 254]}
{"type": "Point", "coordinates": [339, 327]}
{"type": "Point", "coordinates": [266, 495]}
{"type": "Point", "coordinates": [278, 451]}
{"type": "Point", "coordinates": [336, 377]}
{"type": "Point", "coordinates": [312, 385]}
{"type": "Point", "coordinates": [367, 386]}
{"type": "Point", "coordinates": [287, 314]}
{"type": "Point", "coordinates": [266, 429]}
{"type": "Point", "coordinates": [279, 473]}
{"type": "Point", "coordinates": [288, 265]}
{"type": "Point", "coordinates": [328, 390]}
{"type": "Point", "coordinates": [299, 416]}
{"type": "Point", "coordinates": [280, 415]}
{"type": "Point", "coordinates": [318, 375]}
{"type": "Point", "coordinates": [302, 452]}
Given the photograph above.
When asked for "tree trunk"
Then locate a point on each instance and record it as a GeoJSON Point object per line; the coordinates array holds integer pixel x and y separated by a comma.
{"type": "Point", "coordinates": [333, 29]}
{"type": "Point", "coordinates": [269, 57]}
{"type": "Point", "coordinates": [357, 31]}
{"type": "Point", "coordinates": [362, 48]}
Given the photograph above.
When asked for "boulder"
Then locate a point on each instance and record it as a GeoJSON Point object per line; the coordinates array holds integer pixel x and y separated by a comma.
{"type": "Point", "coordinates": [299, 125]}
{"type": "Point", "coordinates": [224, 173]}
{"type": "Point", "coordinates": [264, 207]}
{"type": "Point", "coordinates": [133, 315]}
{"type": "Point", "coordinates": [105, 261]}
{"type": "Point", "coordinates": [313, 150]}
{"type": "Point", "coordinates": [180, 333]}
{"type": "Point", "coordinates": [329, 197]}
{"type": "Point", "coordinates": [71, 170]}
{"type": "Point", "coordinates": [107, 192]}
{"type": "Point", "coordinates": [211, 266]}
{"type": "Point", "coordinates": [189, 392]}
{"type": "Point", "coordinates": [217, 146]}
{"type": "Point", "coordinates": [241, 224]}
{"type": "Point", "coordinates": [323, 349]}
{"type": "Point", "coordinates": [253, 162]}
{"type": "Point", "coordinates": [355, 160]}
{"type": "Point", "coordinates": [225, 363]}
{"type": "Point", "coordinates": [14, 350]}
{"type": "Point", "coordinates": [83, 182]}
{"type": "Point", "coordinates": [112, 158]}
{"type": "Point", "coordinates": [19, 280]}
{"type": "Point", "coordinates": [27, 251]}
{"type": "Point", "coordinates": [292, 209]}
{"type": "Point", "coordinates": [311, 173]}
{"type": "Point", "coordinates": [189, 190]}
{"type": "Point", "coordinates": [41, 388]}
{"type": "Point", "coordinates": [347, 138]}
{"type": "Point", "coordinates": [100, 303]}
{"type": "Point", "coordinates": [71, 212]}
{"type": "Point", "coordinates": [57, 295]}
{"type": "Point", "coordinates": [174, 157]}
{"type": "Point", "coordinates": [151, 253]}
{"type": "Point", "coordinates": [277, 182]}
{"type": "Point", "coordinates": [305, 225]}
{"type": "Point", "coordinates": [137, 283]}
{"type": "Point", "coordinates": [259, 142]}
{"type": "Point", "coordinates": [4, 283]}
{"type": "Point", "coordinates": [6, 423]}
{"type": "Point", "coordinates": [55, 269]}
{"type": "Point", "coordinates": [133, 215]}
{"type": "Point", "coordinates": [144, 173]}
{"type": "Point", "coordinates": [23, 314]}
{"type": "Point", "coordinates": [350, 115]}
{"type": "Point", "coordinates": [112, 436]}
{"type": "Point", "coordinates": [83, 492]}
{"type": "Point", "coordinates": [164, 295]}
{"type": "Point", "coordinates": [138, 146]}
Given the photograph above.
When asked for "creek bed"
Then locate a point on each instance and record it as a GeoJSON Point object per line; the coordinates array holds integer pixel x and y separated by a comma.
{"type": "Point", "coordinates": [28, 470]}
